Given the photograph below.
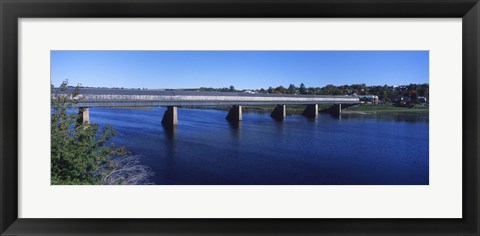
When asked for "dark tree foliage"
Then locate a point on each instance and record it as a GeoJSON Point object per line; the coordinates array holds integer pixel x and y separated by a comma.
{"type": "Point", "coordinates": [270, 90]}
{"type": "Point", "coordinates": [292, 89]}
{"type": "Point", "coordinates": [302, 89]}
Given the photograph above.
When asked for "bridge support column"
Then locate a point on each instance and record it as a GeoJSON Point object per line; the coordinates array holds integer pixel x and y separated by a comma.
{"type": "Point", "coordinates": [311, 111]}
{"type": "Point", "coordinates": [170, 118]}
{"type": "Point", "coordinates": [83, 115]}
{"type": "Point", "coordinates": [279, 113]}
{"type": "Point", "coordinates": [235, 114]}
{"type": "Point", "coordinates": [339, 108]}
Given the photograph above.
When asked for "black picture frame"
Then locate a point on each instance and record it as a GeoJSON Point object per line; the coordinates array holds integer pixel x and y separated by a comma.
{"type": "Point", "coordinates": [12, 10]}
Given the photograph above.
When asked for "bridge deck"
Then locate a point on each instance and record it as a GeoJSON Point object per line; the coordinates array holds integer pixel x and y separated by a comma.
{"type": "Point", "coordinates": [138, 98]}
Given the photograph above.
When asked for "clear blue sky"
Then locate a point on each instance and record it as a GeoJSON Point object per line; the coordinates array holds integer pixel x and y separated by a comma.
{"type": "Point", "coordinates": [243, 69]}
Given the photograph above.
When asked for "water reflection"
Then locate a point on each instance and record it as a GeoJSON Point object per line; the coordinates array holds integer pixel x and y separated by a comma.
{"type": "Point", "coordinates": [235, 129]}
{"type": "Point", "coordinates": [169, 142]}
{"type": "Point", "coordinates": [170, 131]}
{"type": "Point", "coordinates": [335, 115]}
{"type": "Point", "coordinates": [235, 124]}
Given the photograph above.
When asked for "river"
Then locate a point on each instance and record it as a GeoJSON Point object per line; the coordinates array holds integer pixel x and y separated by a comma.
{"type": "Point", "coordinates": [205, 149]}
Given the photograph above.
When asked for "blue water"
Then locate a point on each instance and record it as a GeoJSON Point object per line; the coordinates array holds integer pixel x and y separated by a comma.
{"type": "Point", "coordinates": [206, 149]}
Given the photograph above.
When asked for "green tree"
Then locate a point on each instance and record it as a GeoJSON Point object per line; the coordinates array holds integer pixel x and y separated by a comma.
{"type": "Point", "coordinates": [270, 90]}
{"type": "Point", "coordinates": [291, 89]}
{"type": "Point", "coordinates": [78, 151]}
{"type": "Point", "coordinates": [413, 95]}
{"type": "Point", "coordinates": [302, 89]}
{"type": "Point", "coordinates": [280, 89]}
{"type": "Point", "coordinates": [231, 88]}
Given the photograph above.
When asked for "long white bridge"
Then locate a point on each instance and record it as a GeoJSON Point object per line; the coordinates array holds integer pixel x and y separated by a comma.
{"type": "Point", "coordinates": [173, 99]}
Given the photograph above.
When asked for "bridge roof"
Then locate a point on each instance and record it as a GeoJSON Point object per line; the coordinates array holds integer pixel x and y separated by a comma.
{"type": "Point", "coordinates": [99, 91]}
{"type": "Point", "coordinates": [141, 98]}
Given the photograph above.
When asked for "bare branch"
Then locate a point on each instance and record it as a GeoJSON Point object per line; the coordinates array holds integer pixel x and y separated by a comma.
{"type": "Point", "coordinates": [128, 171]}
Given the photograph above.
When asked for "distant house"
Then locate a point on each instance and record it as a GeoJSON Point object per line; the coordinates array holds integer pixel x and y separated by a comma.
{"type": "Point", "coordinates": [422, 100]}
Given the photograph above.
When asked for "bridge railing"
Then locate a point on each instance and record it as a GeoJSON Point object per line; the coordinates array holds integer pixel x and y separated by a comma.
{"type": "Point", "coordinates": [182, 100]}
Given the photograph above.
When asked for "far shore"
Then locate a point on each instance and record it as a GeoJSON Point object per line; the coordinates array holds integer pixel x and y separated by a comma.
{"type": "Point", "coordinates": [362, 109]}
{"type": "Point", "coordinates": [130, 108]}
{"type": "Point", "coordinates": [366, 109]}
{"type": "Point", "coordinates": [385, 112]}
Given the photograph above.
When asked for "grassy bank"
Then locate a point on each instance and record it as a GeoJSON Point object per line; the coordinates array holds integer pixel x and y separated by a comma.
{"type": "Point", "coordinates": [291, 109]}
{"type": "Point", "coordinates": [130, 108]}
{"type": "Point", "coordinates": [368, 108]}
{"type": "Point", "coordinates": [361, 109]}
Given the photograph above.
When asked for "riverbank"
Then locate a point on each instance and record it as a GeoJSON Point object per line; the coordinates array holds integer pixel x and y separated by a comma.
{"type": "Point", "coordinates": [130, 108]}
{"type": "Point", "coordinates": [364, 109]}
{"type": "Point", "coordinates": [291, 109]}
{"type": "Point", "coordinates": [391, 109]}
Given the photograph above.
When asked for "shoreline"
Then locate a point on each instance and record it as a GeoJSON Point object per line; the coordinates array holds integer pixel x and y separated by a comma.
{"type": "Point", "coordinates": [393, 112]}
{"type": "Point", "coordinates": [298, 109]}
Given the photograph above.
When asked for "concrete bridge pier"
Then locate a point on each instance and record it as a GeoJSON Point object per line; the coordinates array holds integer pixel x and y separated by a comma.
{"type": "Point", "coordinates": [170, 118]}
{"type": "Point", "coordinates": [83, 115]}
{"type": "Point", "coordinates": [235, 114]}
{"type": "Point", "coordinates": [279, 113]}
{"type": "Point", "coordinates": [311, 111]}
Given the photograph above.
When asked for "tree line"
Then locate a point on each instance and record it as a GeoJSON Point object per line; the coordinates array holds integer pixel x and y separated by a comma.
{"type": "Point", "coordinates": [386, 93]}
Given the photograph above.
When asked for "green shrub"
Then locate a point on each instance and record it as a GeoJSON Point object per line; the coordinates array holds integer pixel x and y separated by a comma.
{"type": "Point", "coordinates": [78, 151]}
